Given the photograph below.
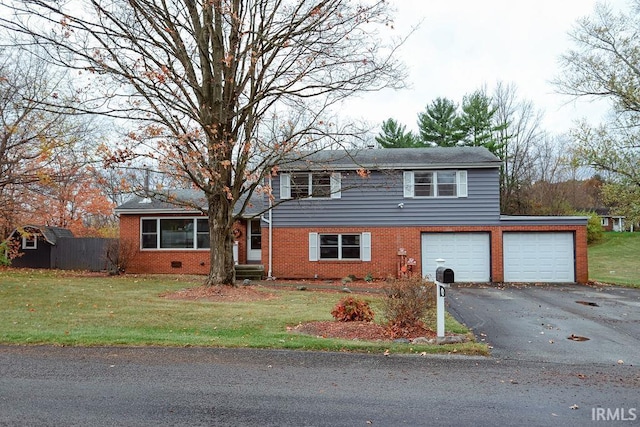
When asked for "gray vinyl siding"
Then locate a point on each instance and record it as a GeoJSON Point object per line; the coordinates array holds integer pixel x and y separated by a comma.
{"type": "Point", "coordinates": [373, 201]}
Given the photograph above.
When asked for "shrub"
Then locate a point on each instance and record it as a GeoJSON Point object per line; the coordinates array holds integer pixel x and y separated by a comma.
{"type": "Point", "coordinates": [9, 249]}
{"type": "Point", "coordinates": [351, 309]}
{"type": "Point", "coordinates": [595, 231]}
{"type": "Point", "coordinates": [406, 303]}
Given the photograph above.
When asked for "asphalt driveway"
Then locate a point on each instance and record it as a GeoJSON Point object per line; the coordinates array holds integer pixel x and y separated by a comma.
{"type": "Point", "coordinates": [553, 323]}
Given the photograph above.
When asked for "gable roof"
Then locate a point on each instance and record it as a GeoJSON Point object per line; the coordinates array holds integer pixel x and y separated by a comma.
{"type": "Point", "coordinates": [395, 158]}
{"type": "Point", "coordinates": [184, 200]}
{"type": "Point", "coordinates": [50, 234]}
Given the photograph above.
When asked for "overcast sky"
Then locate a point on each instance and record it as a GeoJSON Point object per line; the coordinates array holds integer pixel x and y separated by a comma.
{"type": "Point", "coordinates": [462, 45]}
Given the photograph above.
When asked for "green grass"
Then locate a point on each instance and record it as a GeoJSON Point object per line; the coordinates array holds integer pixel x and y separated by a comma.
{"type": "Point", "coordinates": [58, 308]}
{"type": "Point", "coordinates": [615, 259]}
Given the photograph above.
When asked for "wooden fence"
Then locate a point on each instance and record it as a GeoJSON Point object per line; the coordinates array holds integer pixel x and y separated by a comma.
{"type": "Point", "coordinates": [81, 253]}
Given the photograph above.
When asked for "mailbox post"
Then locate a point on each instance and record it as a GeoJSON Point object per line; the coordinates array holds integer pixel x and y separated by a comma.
{"type": "Point", "coordinates": [444, 276]}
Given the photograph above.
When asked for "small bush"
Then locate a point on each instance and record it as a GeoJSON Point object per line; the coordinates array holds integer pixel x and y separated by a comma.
{"type": "Point", "coordinates": [595, 232]}
{"type": "Point", "coordinates": [407, 302]}
{"type": "Point", "coordinates": [368, 278]}
{"type": "Point", "coordinates": [351, 309]}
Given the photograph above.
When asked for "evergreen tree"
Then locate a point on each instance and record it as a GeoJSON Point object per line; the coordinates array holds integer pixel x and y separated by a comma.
{"type": "Point", "coordinates": [478, 124]}
{"type": "Point", "coordinates": [440, 125]}
{"type": "Point", "coordinates": [394, 135]}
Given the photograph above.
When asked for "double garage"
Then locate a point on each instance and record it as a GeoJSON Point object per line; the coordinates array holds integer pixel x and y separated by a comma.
{"type": "Point", "coordinates": [527, 256]}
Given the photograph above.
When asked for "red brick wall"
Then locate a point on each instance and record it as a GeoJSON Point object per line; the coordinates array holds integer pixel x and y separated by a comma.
{"type": "Point", "coordinates": [291, 251]}
{"type": "Point", "coordinates": [159, 261]}
{"type": "Point", "coordinates": [385, 242]}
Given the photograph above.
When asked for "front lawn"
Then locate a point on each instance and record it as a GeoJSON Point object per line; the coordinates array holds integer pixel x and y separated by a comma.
{"type": "Point", "coordinates": [63, 308]}
{"type": "Point", "coordinates": [616, 259]}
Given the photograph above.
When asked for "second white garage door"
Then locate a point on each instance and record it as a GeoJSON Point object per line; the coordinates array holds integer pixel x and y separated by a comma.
{"type": "Point", "coordinates": [467, 254]}
{"type": "Point", "coordinates": [538, 257]}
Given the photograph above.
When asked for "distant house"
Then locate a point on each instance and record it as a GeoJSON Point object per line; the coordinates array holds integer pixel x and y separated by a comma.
{"type": "Point", "coordinates": [36, 244]}
{"type": "Point", "coordinates": [610, 222]}
{"type": "Point", "coordinates": [57, 248]}
{"type": "Point", "coordinates": [374, 212]}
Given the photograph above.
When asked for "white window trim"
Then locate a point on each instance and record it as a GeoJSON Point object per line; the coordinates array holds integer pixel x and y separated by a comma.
{"type": "Point", "coordinates": [604, 222]}
{"type": "Point", "coordinates": [336, 186]}
{"type": "Point", "coordinates": [158, 218]}
{"type": "Point", "coordinates": [408, 179]}
{"type": "Point", "coordinates": [365, 247]}
{"type": "Point", "coordinates": [30, 242]}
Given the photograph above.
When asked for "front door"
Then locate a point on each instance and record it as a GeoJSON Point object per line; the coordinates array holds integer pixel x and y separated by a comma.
{"type": "Point", "coordinates": [254, 240]}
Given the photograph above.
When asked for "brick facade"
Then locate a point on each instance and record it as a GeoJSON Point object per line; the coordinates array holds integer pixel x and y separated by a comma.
{"type": "Point", "coordinates": [165, 261]}
{"type": "Point", "coordinates": [291, 251]}
{"type": "Point", "coordinates": [385, 243]}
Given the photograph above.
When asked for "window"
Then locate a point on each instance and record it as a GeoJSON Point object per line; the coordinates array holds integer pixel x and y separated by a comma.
{"type": "Point", "coordinates": [435, 184]}
{"type": "Point", "coordinates": [255, 238]}
{"type": "Point", "coordinates": [604, 222]}
{"type": "Point", "coordinates": [356, 246]}
{"type": "Point", "coordinates": [321, 185]}
{"type": "Point", "coordinates": [30, 241]}
{"type": "Point", "coordinates": [203, 233]}
{"type": "Point", "coordinates": [175, 233]}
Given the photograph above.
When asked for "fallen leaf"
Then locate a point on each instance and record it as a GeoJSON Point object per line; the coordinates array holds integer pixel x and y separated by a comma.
{"type": "Point", "coordinates": [574, 406]}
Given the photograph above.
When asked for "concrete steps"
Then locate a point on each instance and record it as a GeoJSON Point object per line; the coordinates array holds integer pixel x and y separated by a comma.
{"type": "Point", "coordinates": [249, 271]}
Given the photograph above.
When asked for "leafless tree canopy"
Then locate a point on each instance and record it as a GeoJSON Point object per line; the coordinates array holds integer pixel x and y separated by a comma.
{"type": "Point", "coordinates": [222, 90]}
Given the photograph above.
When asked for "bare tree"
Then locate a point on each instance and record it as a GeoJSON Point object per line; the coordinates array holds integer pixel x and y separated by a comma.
{"type": "Point", "coordinates": [605, 64]}
{"type": "Point", "coordinates": [517, 141]}
{"type": "Point", "coordinates": [203, 78]}
{"type": "Point", "coordinates": [34, 138]}
{"type": "Point", "coordinates": [31, 137]}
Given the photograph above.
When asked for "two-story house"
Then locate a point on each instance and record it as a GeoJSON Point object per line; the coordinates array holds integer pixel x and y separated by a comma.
{"type": "Point", "coordinates": [384, 212]}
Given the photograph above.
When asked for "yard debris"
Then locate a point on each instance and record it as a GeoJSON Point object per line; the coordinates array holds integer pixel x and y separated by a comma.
{"type": "Point", "coordinates": [620, 362]}
{"type": "Point", "coordinates": [574, 337]}
{"type": "Point", "coordinates": [574, 406]}
{"type": "Point", "coordinates": [592, 304]}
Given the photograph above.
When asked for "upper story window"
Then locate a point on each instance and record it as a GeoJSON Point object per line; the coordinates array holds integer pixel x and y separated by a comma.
{"type": "Point", "coordinates": [300, 185]}
{"type": "Point", "coordinates": [443, 183]}
{"type": "Point", "coordinates": [175, 233]}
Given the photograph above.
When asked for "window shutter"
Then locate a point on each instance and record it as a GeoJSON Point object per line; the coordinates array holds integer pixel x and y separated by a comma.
{"type": "Point", "coordinates": [408, 184]}
{"type": "Point", "coordinates": [313, 246]}
{"type": "Point", "coordinates": [285, 186]}
{"type": "Point", "coordinates": [461, 178]}
{"type": "Point", "coordinates": [366, 246]}
{"type": "Point", "coordinates": [336, 184]}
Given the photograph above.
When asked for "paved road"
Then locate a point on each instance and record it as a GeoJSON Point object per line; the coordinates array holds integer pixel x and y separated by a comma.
{"type": "Point", "coordinates": [54, 386]}
{"type": "Point", "coordinates": [535, 322]}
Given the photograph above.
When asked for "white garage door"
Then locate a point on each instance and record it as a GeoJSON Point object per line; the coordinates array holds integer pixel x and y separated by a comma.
{"type": "Point", "coordinates": [538, 257]}
{"type": "Point", "coordinates": [467, 254]}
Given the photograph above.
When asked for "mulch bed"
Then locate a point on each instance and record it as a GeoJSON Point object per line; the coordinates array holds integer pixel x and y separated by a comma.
{"type": "Point", "coordinates": [220, 293]}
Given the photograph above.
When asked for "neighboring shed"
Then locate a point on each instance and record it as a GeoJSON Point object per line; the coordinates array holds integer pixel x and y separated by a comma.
{"type": "Point", "coordinates": [36, 243]}
{"type": "Point", "coordinates": [55, 247]}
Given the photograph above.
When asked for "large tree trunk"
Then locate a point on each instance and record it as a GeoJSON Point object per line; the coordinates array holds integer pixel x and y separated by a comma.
{"type": "Point", "coordinates": [221, 271]}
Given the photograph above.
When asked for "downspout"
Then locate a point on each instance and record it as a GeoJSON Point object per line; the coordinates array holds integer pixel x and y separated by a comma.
{"type": "Point", "coordinates": [270, 222]}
